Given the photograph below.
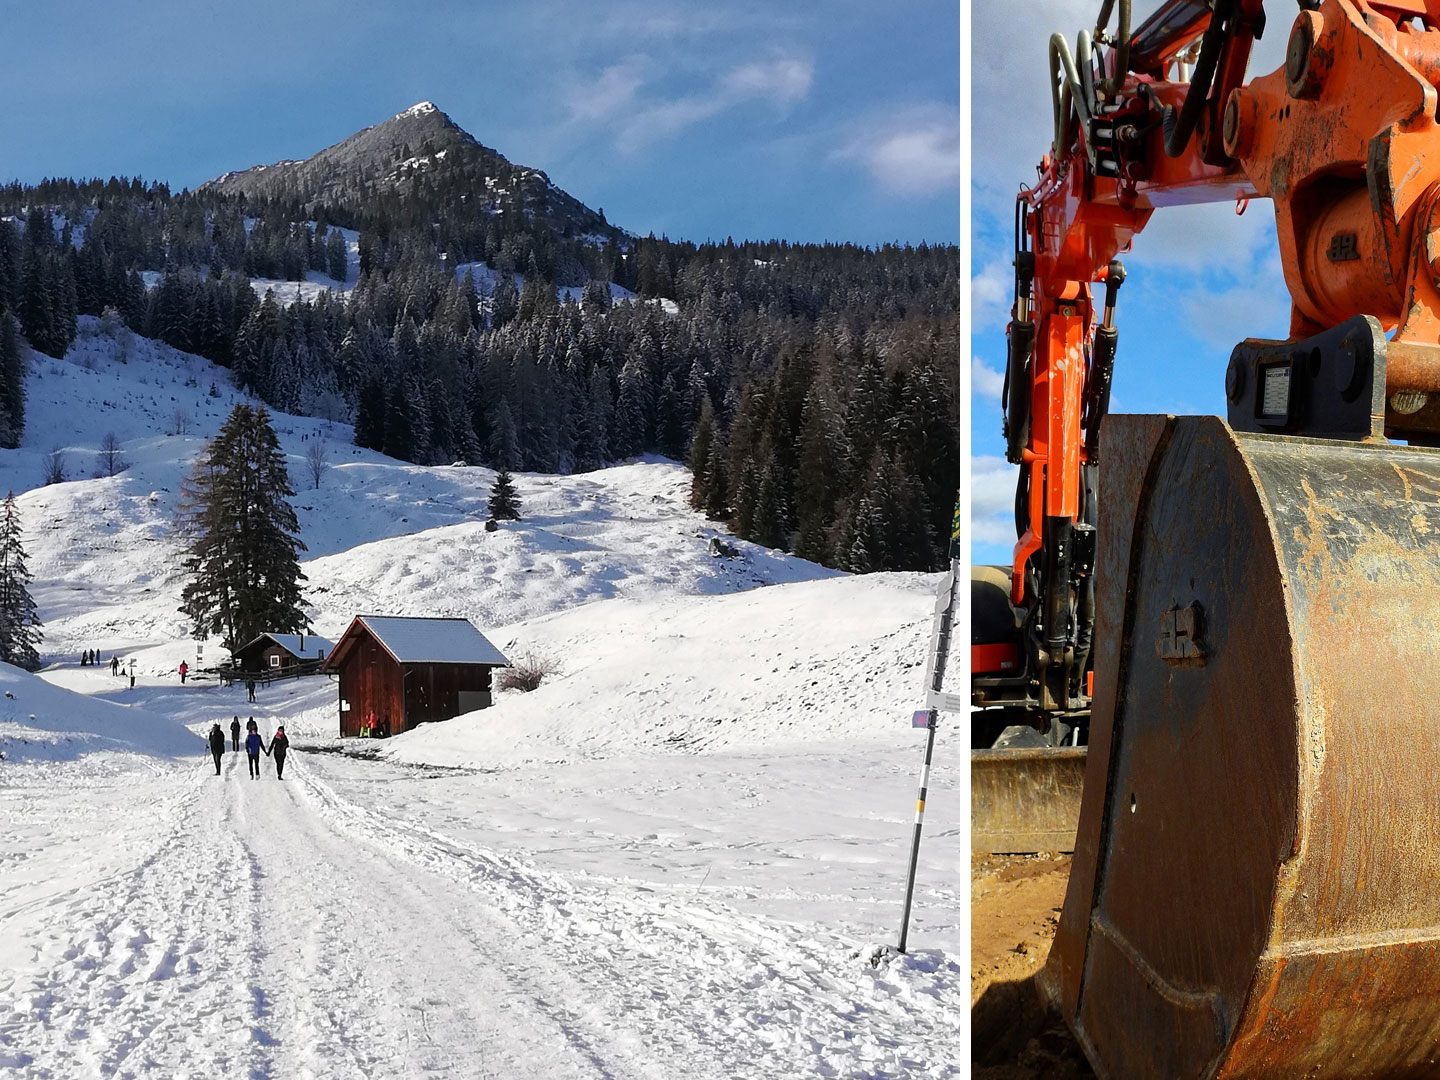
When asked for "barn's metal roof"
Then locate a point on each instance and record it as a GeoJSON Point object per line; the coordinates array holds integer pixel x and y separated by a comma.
{"type": "Point", "coordinates": [433, 641]}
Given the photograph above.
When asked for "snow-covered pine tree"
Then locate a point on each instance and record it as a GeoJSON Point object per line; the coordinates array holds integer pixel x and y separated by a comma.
{"type": "Point", "coordinates": [717, 489]}
{"type": "Point", "coordinates": [336, 258]}
{"type": "Point", "coordinates": [634, 409]}
{"type": "Point", "coordinates": [702, 443]}
{"type": "Point", "coordinates": [504, 503]}
{"type": "Point", "coordinates": [12, 384]}
{"type": "Point", "coordinates": [370, 416]}
{"type": "Point", "coordinates": [243, 544]}
{"type": "Point", "coordinates": [399, 433]}
{"type": "Point", "coordinates": [504, 442]}
{"type": "Point", "coordinates": [9, 266]}
{"type": "Point", "coordinates": [19, 623]}
{"type": "Point", "coordinates": [822, 474]}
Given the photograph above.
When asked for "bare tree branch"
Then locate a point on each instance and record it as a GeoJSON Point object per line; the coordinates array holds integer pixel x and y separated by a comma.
{"type": "Point", "coordinates": [110, 460]}
{"type": "Point", "coordinates": [317, 461]}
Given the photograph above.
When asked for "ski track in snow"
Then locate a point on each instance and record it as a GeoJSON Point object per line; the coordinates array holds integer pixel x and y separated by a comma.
{"type": "Point", "coordinates": [278, 929]}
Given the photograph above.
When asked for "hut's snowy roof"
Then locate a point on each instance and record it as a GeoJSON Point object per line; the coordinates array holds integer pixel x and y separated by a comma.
{"type": "Point", "coordinates": [433, 641]}
{"type": "Point", "coordinates": [304, 646]}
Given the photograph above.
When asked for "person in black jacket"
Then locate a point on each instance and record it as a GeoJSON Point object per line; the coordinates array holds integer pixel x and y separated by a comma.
{"type": "Point", "coordinates": [278, 748]}
{"type": "Point", "coordinates": [217, 745]}
{"type": "Point", "coordinates": [235, 735]}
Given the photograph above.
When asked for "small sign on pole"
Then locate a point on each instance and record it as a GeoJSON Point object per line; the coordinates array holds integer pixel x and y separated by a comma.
{"type": "Point", "coordinates": [920, 718]}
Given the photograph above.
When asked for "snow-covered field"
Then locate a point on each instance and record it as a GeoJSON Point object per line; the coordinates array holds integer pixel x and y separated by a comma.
{"type": "Point", "coordinates": [668, 861]}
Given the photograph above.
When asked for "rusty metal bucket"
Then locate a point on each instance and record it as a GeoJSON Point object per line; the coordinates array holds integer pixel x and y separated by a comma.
{"type": "Point", "coordinates": [1025, 800]}
{"type": "Point", "coordinates": [1256, 882]}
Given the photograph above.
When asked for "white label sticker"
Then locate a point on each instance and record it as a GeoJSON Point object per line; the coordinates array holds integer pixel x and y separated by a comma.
{"type": "Point", "coordinates": [1276, 399]}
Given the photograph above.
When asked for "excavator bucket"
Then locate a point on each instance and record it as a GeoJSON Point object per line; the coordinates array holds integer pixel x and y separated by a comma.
{"type": "Point", "coordinates": [1256, 883]}
{"type": "Point", "coordinates": [1026, 799]}
{"type": "Point", "coordinates": [1023, 798]}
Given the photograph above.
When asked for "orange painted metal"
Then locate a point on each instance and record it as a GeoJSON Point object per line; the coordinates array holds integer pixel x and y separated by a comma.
{"type": "Point", "coordinates": [1345, 142]}
{"type": "Point", "coordinates": [998, 657]}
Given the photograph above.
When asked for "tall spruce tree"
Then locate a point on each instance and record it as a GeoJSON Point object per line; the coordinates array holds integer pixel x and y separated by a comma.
{"type": "Point", "coordinates": [702, 443]}
{"type": "Point", "coordinates": [370, 416]}
{"type": "Point", "coordinates": [242, 556]}
{"type": "Point", "coordinates": [504, 503]}
{"type": "Point", "coordinates": [336, 259]}
{"type": "Point", "coordinates": [19, 623]}
{"type": "Point", "coordinates": [12, 384]}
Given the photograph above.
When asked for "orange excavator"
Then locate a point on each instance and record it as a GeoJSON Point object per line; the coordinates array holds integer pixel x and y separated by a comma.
{"type": "Point", "coordinates": [1241, 615]}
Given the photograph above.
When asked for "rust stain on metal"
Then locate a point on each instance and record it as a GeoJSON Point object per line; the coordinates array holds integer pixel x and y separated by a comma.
{"type": "Point", "coordinates": [1255, 893]}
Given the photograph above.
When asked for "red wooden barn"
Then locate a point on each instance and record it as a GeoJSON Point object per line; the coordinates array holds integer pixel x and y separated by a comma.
{"type": "Point", "coordinates": [404, 671]}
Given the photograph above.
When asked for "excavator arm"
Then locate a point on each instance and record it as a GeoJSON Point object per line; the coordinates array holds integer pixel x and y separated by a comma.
{"type": "Point", "coordinates": [1343, 140]}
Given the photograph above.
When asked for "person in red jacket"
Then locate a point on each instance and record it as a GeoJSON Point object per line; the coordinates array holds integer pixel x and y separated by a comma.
{"type": "Point", "coordinates": [184, 668]}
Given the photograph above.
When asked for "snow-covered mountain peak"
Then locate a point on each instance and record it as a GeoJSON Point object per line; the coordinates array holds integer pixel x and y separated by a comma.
{"type": "Point", "coordinates": [392, 156]}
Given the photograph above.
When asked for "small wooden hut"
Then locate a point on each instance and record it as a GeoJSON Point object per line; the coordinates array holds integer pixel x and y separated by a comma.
{"type": "Point", "coordinates": [274, 653]}
{"type": "Point", "coordinates": [402, 671]}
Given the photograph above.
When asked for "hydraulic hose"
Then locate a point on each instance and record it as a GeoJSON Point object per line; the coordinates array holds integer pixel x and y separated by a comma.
{"type": "Point", "coordinates": [1075, 91]}
{"type": "Point", "coordinates": [1020, 343]}
{"type": "Point", "coordinates": [1111, 85]}
{"type": "Point", "coordinates": [1180, 126]}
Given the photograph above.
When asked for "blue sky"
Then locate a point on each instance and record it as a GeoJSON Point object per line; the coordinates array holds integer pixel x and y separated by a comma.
{"type": "Point", "coordinates": [1200, 278]}
{"type": "Point", "coordinates": [809, 121]}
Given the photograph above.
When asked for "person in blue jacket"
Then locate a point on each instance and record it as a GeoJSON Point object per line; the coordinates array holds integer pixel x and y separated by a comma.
{"type": "Point", "coordinates": [253, 745]}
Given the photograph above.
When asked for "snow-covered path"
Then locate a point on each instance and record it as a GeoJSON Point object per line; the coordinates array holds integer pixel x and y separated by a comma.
{"type": "Point", "coordinates": [279, 929]}
{"type": "Point", "coordinates": [256, 940]}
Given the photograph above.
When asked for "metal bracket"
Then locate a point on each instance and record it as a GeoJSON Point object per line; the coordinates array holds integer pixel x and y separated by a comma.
{"type": "Point", "coordinates": [1331, 385]}
{"type": "Point", "coordinates": [1180, 632]}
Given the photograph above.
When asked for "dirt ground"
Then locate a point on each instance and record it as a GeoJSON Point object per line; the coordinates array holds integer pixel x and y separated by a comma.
{"type": "Point", "coordinates": [1015, 904]}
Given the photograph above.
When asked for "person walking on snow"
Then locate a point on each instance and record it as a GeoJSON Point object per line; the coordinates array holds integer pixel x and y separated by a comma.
{"type": "Point", "coordinates": [250, 689]}
{"type": "Point", "coordinates": [114, 665]}
{"type": "Point", "coordinates": [235, 734]}
{"type": "Point", "coordinates": [217, 745]}
{"type": "Point", "coordinates": [184, 667]}
{"type": "Point", "coordinates": [253, 745]}
{"type": "Point", "coordinates": [278, 748]}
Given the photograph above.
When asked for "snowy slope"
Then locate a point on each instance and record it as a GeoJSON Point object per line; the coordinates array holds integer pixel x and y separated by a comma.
{"type": "Point", "coordinates": [41, 722]}
{"type": "Point", "coordinates": [383, 536]}
{"type": "Point", "coordinates": [804, 663]}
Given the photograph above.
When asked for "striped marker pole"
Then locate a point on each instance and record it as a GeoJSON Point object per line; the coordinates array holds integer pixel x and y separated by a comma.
{"type": "Point", "coordinates": [919, 824]}
{"type": "Point", "coordinates": [937, 699]}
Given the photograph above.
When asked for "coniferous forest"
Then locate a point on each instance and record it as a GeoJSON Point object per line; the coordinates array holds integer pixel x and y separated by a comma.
{"type": "Point", "coordinates": [812, 389]}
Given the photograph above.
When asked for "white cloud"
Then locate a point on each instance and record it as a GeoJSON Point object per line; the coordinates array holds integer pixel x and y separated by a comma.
{"type": "Point", "coordinates": [985, 381]}
{"type": "Point", "coordinates": [783, 80]}
{"type": "Point", "coordinates": [612, 91]}
{"type": "Point", "coordinates": [622, 96]}
{"type": "Point", "coordinates": [1257, 304]}
{"type": "Point", "coordinates": [909, 151]}
{"type": "Point", "coordinates": [992, 500]}
{"type": "Point", "coordinates": [992, 291]}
